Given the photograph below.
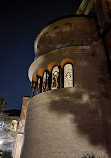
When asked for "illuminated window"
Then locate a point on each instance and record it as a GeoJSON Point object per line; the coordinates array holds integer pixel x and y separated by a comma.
{"type": "Point", "coordinates": [68, 75]}
{"type": "Point", "coordinates": [45, 81]}
{"type": "Point", "coordinates": [33, 86]}
{"type": "Point", "coordinates": [55, 77]}
{"type": "Point", "coordinates": [39, 86]}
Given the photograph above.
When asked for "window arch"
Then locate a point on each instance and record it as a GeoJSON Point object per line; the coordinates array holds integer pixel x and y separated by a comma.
{"type": "Point", "coordinates": [45, 85]}
{"type": "Point", "coordinates": [68, 75]}
{"type": "Point", "coordinates": [55, 77]}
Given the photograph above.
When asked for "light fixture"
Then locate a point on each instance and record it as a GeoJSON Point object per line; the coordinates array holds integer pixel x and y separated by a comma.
{"type": "Point", "coordinates": [1, 142]}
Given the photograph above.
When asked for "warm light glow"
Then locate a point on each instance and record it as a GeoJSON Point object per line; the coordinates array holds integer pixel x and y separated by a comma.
{"type": "Point", "coordinates": [41, 71]}
{"type": "Point", "coordinates": [51, 65]}
{"type": "Point", "coordinates": [67, 60]}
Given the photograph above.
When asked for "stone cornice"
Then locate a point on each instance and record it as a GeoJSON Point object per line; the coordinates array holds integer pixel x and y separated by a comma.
{"type": "Point", "coordinates": [56, 55]}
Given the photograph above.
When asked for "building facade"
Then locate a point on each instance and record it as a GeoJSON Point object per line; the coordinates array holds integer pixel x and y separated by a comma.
{"type": "Point", "coordinates": [20, 129]}
{"type": "Point", "coordinates": [8, 126]}
{"type": "Point", "coordinates": [69, 113]}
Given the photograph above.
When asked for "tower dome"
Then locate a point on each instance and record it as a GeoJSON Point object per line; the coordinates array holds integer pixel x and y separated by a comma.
{"type": "Point", "coordinates": [64, 33]}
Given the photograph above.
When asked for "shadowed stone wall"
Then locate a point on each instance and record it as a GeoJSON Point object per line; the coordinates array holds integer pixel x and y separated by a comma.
{"type": "Point", "coordinates": [64, 123]}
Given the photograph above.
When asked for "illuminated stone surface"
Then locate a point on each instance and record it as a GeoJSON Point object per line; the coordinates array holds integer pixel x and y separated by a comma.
{"type": "Point", "coordinates": [8, 127]}
{"type": "Point", "coordinates": [70, 122]}
{"type": "Point", "coordinates": [20, 129]}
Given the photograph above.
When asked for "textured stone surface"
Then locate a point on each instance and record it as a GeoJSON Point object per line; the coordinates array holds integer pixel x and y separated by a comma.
{"type": "Point", "coordinates": [76, 53]}
{"type": "Point", "coordinates": [66, 32]}
{"type": "Point", "coordinates": [71, 122]}
{"type": "Point", "coordinates": [64, 123]}
{"type": "Point", "coordinates": [23, 115]}
{"type": "Point", "coordinates": [18, 144]}
{"type": "Point", "coordinates": [20, 129]}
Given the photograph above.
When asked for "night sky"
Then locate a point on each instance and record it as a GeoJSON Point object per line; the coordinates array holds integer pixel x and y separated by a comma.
{"type": "Point", "coordinates": [20, 22]}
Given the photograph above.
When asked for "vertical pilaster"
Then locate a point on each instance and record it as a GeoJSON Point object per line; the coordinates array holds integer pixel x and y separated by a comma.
{"type": "Point", "coordinates": [103, 9]}
{"type": "Point", "coordinates": [104, 87]}
{"type": "Point", "coordinates": [60, 76]}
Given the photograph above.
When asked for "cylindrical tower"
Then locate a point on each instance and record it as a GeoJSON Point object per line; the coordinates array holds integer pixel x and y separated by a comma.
{"type": "Point", "coordinates": [65, 115]}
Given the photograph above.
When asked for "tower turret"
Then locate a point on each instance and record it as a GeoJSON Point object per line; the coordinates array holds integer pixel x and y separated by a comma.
{"type": "Point", "coordinates": [65, 115]}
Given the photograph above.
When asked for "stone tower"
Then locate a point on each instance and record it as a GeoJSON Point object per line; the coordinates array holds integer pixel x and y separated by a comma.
{"type": "Point", "coordinates": [67, 115]}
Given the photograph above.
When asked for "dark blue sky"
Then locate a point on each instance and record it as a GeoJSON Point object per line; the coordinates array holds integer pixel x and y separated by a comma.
{"type": "Point", "coordinates": [20, 22]}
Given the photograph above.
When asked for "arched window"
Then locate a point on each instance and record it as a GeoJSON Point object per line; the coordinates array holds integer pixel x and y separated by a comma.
{"type": "Point", "coordinates": [55, 78]}
{"type": "Point", "coordinates": [38, 84]}
{"type": "Point", "coordinates": [45, 86]}
{"type": "Point", "coordinates": [33, 87]}
{"type": "Point", "coordinates": [68, 75]}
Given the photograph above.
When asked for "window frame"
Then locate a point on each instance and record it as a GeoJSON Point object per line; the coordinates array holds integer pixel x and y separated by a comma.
{"type": "Point", "coordinates": [63, 74]}
{"type": "Point", "coordinates": [39, 90]}
{"type": "Point", "coordinates": [47, 80]}
{"type": "Point", "coordinates": [58, 77]}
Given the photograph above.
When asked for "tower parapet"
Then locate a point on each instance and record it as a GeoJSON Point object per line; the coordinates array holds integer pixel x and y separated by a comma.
{"type": "Point", "coordinates": [65, 33]}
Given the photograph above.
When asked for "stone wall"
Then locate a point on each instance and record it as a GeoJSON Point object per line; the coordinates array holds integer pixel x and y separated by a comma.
{"type": "Point", "coordinates": [20, 129]}
{"type": "Point", "coordinates": [64, 123]}
{"type": "Point", "coordinates": [66, 32]}
{"type": "Point", "coordinates": [70, 122]}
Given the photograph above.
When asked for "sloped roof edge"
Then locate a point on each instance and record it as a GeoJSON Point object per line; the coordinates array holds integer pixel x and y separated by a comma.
{"type": "Point", "coordinates": [85, 7]}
